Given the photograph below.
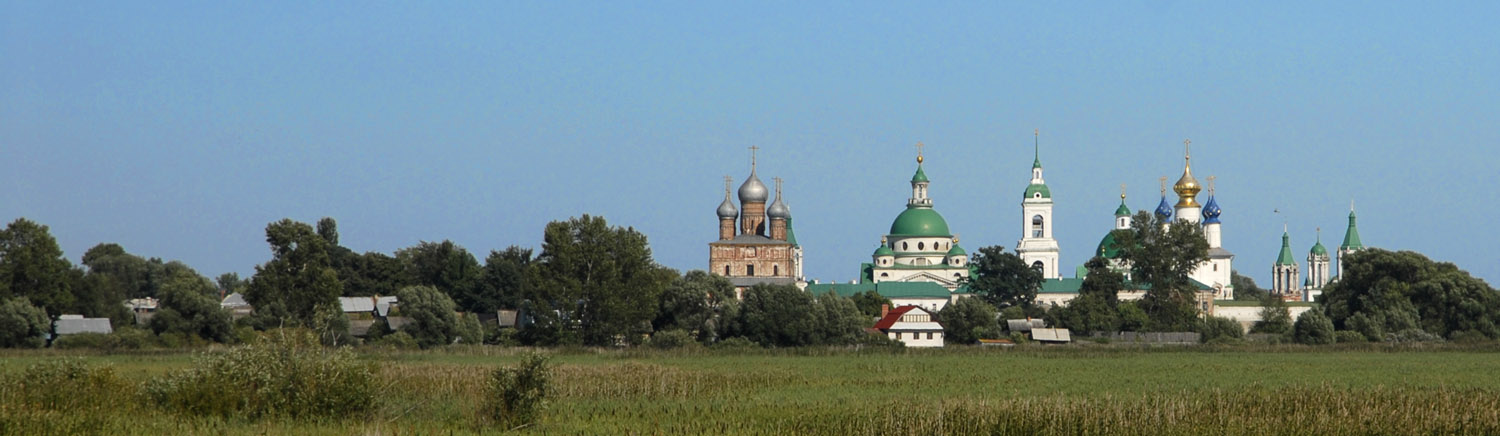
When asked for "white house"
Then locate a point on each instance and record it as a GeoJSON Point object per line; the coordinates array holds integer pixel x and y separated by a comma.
{"type": "Point", "coordinates": [912, 326]}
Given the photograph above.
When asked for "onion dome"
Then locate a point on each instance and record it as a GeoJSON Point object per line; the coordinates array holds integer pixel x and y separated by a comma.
{"type": "Point", "coordinates": [1187, 187]}
{"type": "Point", "coordinates": [1107, 247]}
{"type": "Point", "coordinates": [727, 210]}
{"type": "Point", "coordinates": [1211, 211]}
{"type": "Point", "coordinates": [777, 209]}
{"type": "Point", "coordinates": [920, 221]}
{"type": "Point", "coordinates": [884, 251]}
{"type": "Point", "coordinates": [1164, 210]}
{"type": "Point", "coordinates": [1317, 248]}
{"type": "Point", "coordinates": [753, 191]}
{"type": "Point", "coordinates": [956, 250]}
{"type": "Point", "coordinates": [920, 176]}
{"type": "Point", "coordinates": [1122, 210]}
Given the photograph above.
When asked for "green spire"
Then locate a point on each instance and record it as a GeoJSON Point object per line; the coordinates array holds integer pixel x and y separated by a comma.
{"type": "Point", "coordinates": [1037, 149]}
{"type": "Point", "coordinates": [1286, 250]}
{"type": "Point", "coordinates": [791, 237]}
{"type": "Point", "coordinates": [919, 177]}
{"type": "Point", "coordinates": [1351, 236]}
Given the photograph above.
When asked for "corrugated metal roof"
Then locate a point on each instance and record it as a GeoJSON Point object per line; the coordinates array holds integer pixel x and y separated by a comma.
{"type": "Point", "coordinates": [69, 326]}
{"type": "Point", "coordinates": [234, 300]}
{"type": "Point", "coordinates": [357, 304]}
{"type": "Point", "coordinates": [1051, 335]}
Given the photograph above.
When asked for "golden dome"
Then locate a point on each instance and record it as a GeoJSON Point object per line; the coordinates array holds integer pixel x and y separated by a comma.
{"type": "Point", "coordinates": [1187, 187]}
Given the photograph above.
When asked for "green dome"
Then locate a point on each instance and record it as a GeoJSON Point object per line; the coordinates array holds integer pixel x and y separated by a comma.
{"type": "Point", "coordinates": [1031, 191]}
{"type": "Point", "coordinates": [920, 176]}
{"type": "Point", "coordinates": [957, 251]}
{"type": "Point", "coordinates": [1122, 210]}
{"type": "Point", "coordinates": [920, 221]}
{"type": "Point", "coordinates": [1107, 248]}
{"type": "Point", "coordinates": [1319, 250]}
{"type": "Point", "coordinates": [884, 251]}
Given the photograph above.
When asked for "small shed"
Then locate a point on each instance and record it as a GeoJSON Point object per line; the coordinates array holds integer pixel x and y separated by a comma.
{"type": "Point", "coordinates": [75, 324]}
{"type": "Point", "coordinates": [1051, 336]}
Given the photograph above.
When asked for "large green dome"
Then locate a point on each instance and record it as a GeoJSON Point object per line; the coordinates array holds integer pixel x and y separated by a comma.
{"type": "Point", "coordinates": [920, 221]}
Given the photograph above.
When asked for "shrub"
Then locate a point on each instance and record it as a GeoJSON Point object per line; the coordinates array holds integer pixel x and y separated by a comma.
{"type": "Point", "coordinates": [1220, 330]}
{"type": "Point", "coordinates": [675, 338]}
{"type": "Point", "coordinates": [68, 385]}
{"type": "Point", "coordinates": [1412, 335]}
{"type": "Point", "coordinates": [286, 375]}
{"type": "Point", "coordinates": [1349, 336]}
{"type": "Point", "coordinates": [433, 321]}
{"type": "Point", "coordinates": [22, 324]}
{"type": "Point", "coordinates": [1313, 328]}
{"type": "Point", "coordinates": [81, 340]}
{"type": "Point", "coordinates": [469, 330]}
{"type": "Point", "coordinates": [735, 343]}
{"type": "Point", "coordinates": [501, 336]}
{"type": "Point", "coordinates": [515, 396]}
{"type": "Point", "coordinates": [397, 340]}
{"type": "Point", "coordinates": [1469, 337]}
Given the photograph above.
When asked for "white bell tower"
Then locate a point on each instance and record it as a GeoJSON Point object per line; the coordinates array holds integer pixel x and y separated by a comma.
{"type": "Point", "coordinates": [1037, 246]}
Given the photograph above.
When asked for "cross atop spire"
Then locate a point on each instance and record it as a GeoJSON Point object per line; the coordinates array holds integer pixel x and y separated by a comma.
{"type": "Point", "coordinates": [753, 149]}
{"type": "Point", "coordinates": [1187, 149]}
{"type": "Point", "coordinates": [1211, 184]}
{"type": "Point", "coordinates": [727, 181]}
{"type": "Point", "coordinates": [778, 186]}
{"type": "Point", "coordinates": [1163, 185]}
{"type": "Point", "coordinates": [1122, 192]}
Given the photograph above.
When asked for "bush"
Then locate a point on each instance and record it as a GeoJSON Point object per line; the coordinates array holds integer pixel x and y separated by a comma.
{"type": "Point", "coordinates": [1313, 328]}
{"type": "Point", "coordinates": [1412, 335]}
{"type": "Point", "coordinates": [23, 325]}
{"type": "Point", "coordinates": [70, 386]}
{"type": "Point", "coordinates": [1469, 337]}
{"type": "Point", "coordinates": [433, 321]}
{"type": "Point", "coordinates": [469, 330]}
{"type": "Point", "coordinates": [286, 375]}
{"type": "Point", "coordinates": [82, 340]}
{"type": "Point", "coordinates": [501, 336]}
{"type": "Point", "coordinates": [735, 343]}
{"type": "Point", "coordinates": [515, 396]}
{"type": "Point", "coordinates": [397, 340]}
{"type": "Point", "coordinates": [1349, 337]}
{"type": "Point", "coordinates": [1220, 330]}
{"type": "Point", "coordinates": [675, 338]}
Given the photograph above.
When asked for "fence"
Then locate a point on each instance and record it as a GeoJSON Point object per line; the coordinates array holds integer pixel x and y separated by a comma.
{"type": "Point", "coordinates": [1155, 338]}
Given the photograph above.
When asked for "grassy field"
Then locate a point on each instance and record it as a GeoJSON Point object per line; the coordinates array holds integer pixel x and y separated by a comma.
{"type": "Point", "coordinates": [1028, 390]}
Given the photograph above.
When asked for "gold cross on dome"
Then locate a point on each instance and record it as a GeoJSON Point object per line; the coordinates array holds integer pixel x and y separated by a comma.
{"type": "Point", "coordinates": [1122, 191]}
{"type": "Point", "coordinates": [919, 151]}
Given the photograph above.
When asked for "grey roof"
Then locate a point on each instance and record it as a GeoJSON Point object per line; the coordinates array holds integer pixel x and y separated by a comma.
{"type": "Point", "coordinates": [383, 304]}
{"type": "Point", "coordinates": [751, 240]}
{"type": "Point", "coordinates": [70, 325]}
{"type": "Point", "coordinates": [357, 304]}
{"type": "Point", "coordinates": [234, 300]}
{"type": "Point", "coordinates": [1219, 253]}
{"type": "Point", "coordinates": [1024, 325]}
{"type": "Point", "coordinates": [745, 282]}
{"type": "Point", "coordinates": [778, 209]}
{"type": "Point", "coordinates": [753, 191]}
{"type": "Point", "coordinates": [1051, 335]}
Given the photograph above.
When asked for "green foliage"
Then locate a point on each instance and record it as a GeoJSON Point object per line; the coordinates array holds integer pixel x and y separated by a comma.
{"type": "Point", "coordinates": [1132, 317]}
{"type": "Point", "coordinates": [289, 290]}
{"type": "Point", "coordinates": [1164, 256]}
{"type": "Point", "coordinates": [287, 374]}
{"type": "Point", "coordinates": [776, 315]}
{"type": "Point", "coordinates": [187, 306]}
{"type": "Point", "coordinates": [433, 322]}
{"type": "Point", "coordinates": [668, 339]}
{"type": "Point", "coordinates": [1096, 309]}
{"type": "Point", "coordinates": [397, 340]}
{"type": "Point", "coordinates": [469, 330]}
{"type": "Point", "coordinates": [690, 303]}
{"type": "Point", "coordinates": [596, 280]}
{"type": "Point", "coordinates": [1349, 337]}
{"type": "Point", "coordinates": [449, 268]}
{"type": "Point", "coordinates": [1275, 316]}
{"type": "Point", "coordinates": [32, 266]}
{"type": "Point", "coordinates": [1313, 328]}
{"type": "Point", "coordinates": [23, 325]}
{"type": "Point", "coordinates": [1003, 279]}
{"type": "Point", "coordinates": [839, 321]}
{"type": "Point", "coordinates": [1245, 288]}
{"type": "Point", "coordinates": [870, 302]}
{"type": "Point", "coordinates": [967, 320]}
{"type": "Point", "coordinates": [505, 278]}
{"type": "Point", "coordinates": [1220, 330]}
{"type": "Point", "coordinates": [516, 396]}
{"type": "Point", "coordinates": [66, 385]}
{"type": "Point", "coordinates": [1383, 291]}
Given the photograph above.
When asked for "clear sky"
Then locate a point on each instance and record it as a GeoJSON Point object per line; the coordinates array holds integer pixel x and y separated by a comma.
{"type": "Point", "coordinates": [180, 129]}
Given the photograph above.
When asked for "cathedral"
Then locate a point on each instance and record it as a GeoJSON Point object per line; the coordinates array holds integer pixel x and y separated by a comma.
{"type": "Point", "coordinates": [919, 247]}
{"type": "Point", "coordinates": [1285, 271]}
{"type": "Point", "coordinates": [756, 243]}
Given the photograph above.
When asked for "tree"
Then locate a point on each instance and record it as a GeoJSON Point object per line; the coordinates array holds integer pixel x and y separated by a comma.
{"type": "Point", "coordinates": [433, 321]}
{"type": "Point", "coordinates": [1003, 279]}
{"type": "Point", "coordinates": [967, 320]}
{"type": "Point", "coordinates": [23, 325]}
{"type": "Point", "coordinates": [1245, 288]}
{"type": "Point", "coordinates": [598, 279]}
{"type": "Point", "coordinates": [776, 315]}
{"type": "Point", "coordinates": [870, 303]}
{"type": "Point", "coordinates": [1097, 306]}
{"type": "Point", "coordinates": [1164, 256]}
{"type": "Point", "coordinates": [231, 282]}
{"type": "Point", "coordinates": [449, 268]}
{"type": "Point", "coordinates": [188, 306]}
{"type": "Point", "coordinates": [504, 279]}
{"type": "Point", "coordinates": [688, 303]}
{"type": "Point", "coordinates": [1394, 291]}
{"type": "Point", "coordinates": [1217, 330]}
{"type": "Point", "coordinates": [32, 266]}
{"type": "Point", "coordinates": [290, 289]}
{"type": "Point", "coordinates": [1314, 328]}
{"type": "Point", "coordinates": [839, 321]}
{"type": "Point", "coordinates": [1275, 317]}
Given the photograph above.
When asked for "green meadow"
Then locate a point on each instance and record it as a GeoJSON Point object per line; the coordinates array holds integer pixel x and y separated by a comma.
{"type": "Point", "coordinates": [1082, 389]}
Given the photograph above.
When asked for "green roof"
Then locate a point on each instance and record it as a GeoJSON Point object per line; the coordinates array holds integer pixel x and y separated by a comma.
{"type": "Point", "coordinates": [920, 221]}
{"type": "Point", "coordinates": [884, 250]}
{"type": "Point", "coordinates": [1285, 258]}
{"type": "Point", "coordinates": [1033, 189]}
{"type": "Point", "coordinates": [1071, 286]}
{"type": "Point", "coordinates": [956, 250]}
{"type": "Point", "coordinates": [919, 176]}
{"type": "Point", "coordinates": [791, 237]}
{"type": "Point", "coordinates": [1319, 250]}
{"type": "Point", "coordinates": [1122, 210]}
{"type": "Point", "coordinates": [1108, 249]}
{"type": "Point", "coordinates": [1351, 236]}
{"type": "Point", "coordinates": [885, 289]}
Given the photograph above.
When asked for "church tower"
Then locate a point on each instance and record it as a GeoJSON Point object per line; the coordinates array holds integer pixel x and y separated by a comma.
{"type": "Point", "coordinates": [1217, 272]}
{"type": "Point", "coordinates": [779, 214]}
{"type": "Point", "coordinates": [1187, 189]}
{"type": "Point", "coordinates": [753, 195]}
{"type": "Point", "coordinates": [1284, 282]}
{"type": "Point", "coordinates": [749, 257]}
{"type": "Point", "coordinates": [1317, 268]}
{"type": "Point", "coordinates": [727, 214]}
{"type": "Point", "coordinates": [1037, 246]}
{"type": "Point", "coordinates": [1351, 240]}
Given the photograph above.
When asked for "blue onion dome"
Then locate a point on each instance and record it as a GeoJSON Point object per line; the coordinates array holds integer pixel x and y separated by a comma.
{"type": "Point", "coordinates": [727, 210]}
{"type": "Point", "coordinates": [753, 191]}
{"type": "Point", "coordinates": [777, 209]}
{"type": "Point", "coordinates": [1164, 210]}
{"type": "Point", "coordinates": [1211, 211]}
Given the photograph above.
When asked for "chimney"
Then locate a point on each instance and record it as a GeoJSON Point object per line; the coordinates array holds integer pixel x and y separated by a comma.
{"type": "Point", "coordinates": [884, 309]}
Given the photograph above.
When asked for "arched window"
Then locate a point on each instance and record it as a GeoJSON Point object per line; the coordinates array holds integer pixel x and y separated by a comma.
{"type": "Point", "coordinates": [1036, 226]}
{"type": "Point", "coordinates": [749, 270]}
{"type": "Point", "coordinates": [775, 270]}
{"type": "Point", "coordinates": [884, 275]}
{"type": "Point", "coordinates": [726, 270]}
{"type": "Point", "coordinates": [1036, 265]}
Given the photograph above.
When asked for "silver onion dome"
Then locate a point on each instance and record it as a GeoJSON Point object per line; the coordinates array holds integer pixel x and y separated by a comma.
{"type": "Point", "coordinates": [727, 210]}
{"type": "Point", "coordinates": [778, 209]}
{"type": "Point", "coordinates": [753, 191]}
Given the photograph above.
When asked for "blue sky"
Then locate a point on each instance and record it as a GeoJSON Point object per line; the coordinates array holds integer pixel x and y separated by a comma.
{"type": "Point", "coordinates": [180, 129]}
